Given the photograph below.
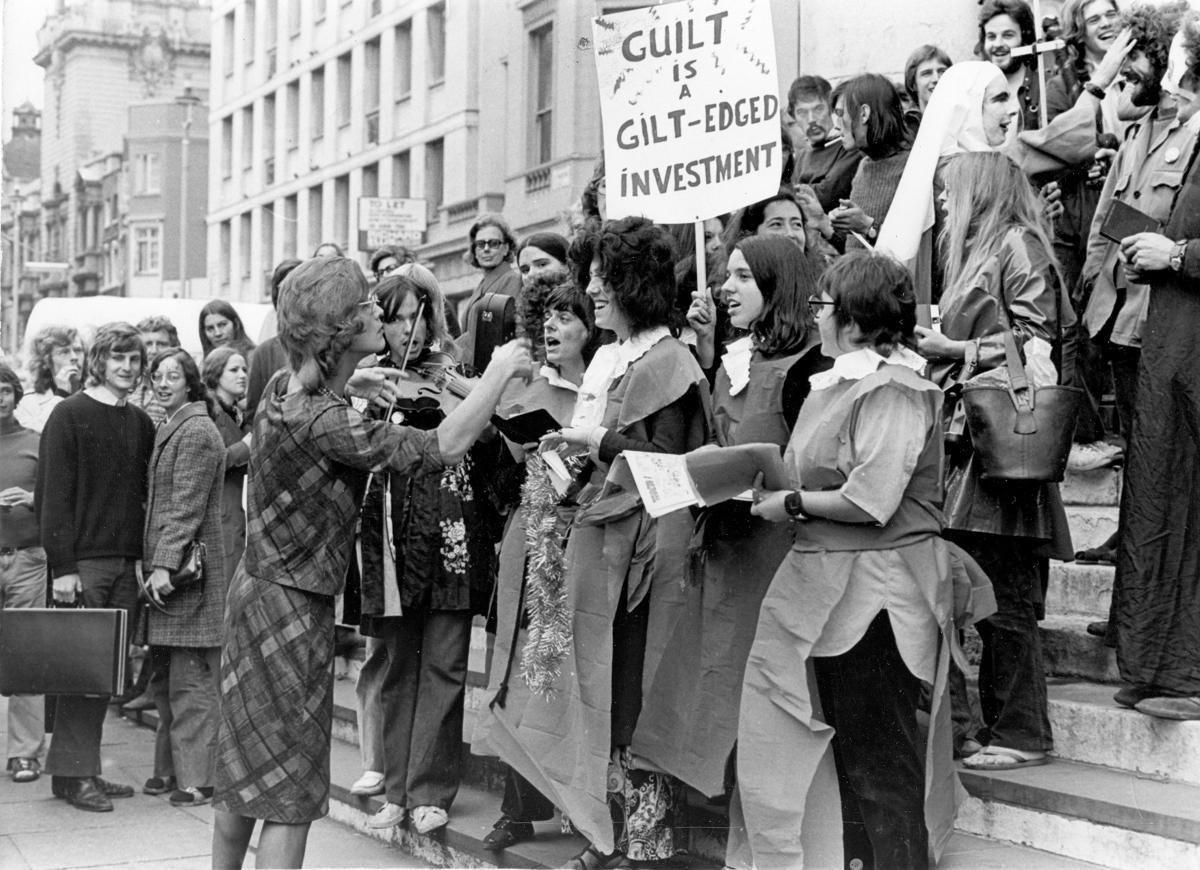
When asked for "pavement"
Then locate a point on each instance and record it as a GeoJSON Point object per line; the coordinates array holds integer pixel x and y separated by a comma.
{"type": "Point", "coordinates": [39, 832]}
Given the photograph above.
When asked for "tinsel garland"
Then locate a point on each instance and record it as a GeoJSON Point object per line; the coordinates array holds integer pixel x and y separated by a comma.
{"type": "Point", "coordinates": [549, 632]}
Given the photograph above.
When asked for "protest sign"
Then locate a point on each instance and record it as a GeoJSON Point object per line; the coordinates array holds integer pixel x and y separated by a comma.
{"type": "Point", "coordinates": [690, 105]}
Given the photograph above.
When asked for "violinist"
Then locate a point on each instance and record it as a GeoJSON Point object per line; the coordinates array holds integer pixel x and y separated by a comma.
{"type": "Point", "coordinates": [427, 556]}
{"type": "Point", "coordinates": [527, 569]}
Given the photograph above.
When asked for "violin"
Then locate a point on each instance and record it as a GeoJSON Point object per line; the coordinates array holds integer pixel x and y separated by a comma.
{"type": "Point", "coordinates": [433, 389]}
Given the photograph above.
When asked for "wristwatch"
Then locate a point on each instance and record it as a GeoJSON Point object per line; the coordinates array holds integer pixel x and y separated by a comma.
{"type": "Point", "coordinates": [1094, 89]}
{"type": "Point", "coordinates": [872, 232]}
{"type": "Point", "coordinates": [793, 503]}
{"type": "Point", "coordinates": [1177, 255]}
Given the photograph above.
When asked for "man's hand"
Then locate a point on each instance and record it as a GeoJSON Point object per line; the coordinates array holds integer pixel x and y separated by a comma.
{"type": "Point", "coordinates": [848, 217]}
{"type": "Point", "coordinates": [376, 384]}
{"type": "Point", "coordinates": [1147, 252]}
{"type": "Point", "coordinates": [67, 379]}
{"type": "Point", "coordinates": [15, 497]}
{"type": "Point", "coordinates": [1109, 68]}
{"type": "Point", "coordinates": [514, 359]}
{"type": "Point", "coordinates": [933, 345]}
{"type": "Point", "coordinates": [67, 588]}
{"type": "Point", "coordinates": [1052, 205]}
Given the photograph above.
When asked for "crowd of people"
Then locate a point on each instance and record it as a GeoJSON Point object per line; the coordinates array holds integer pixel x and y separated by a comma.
{"type": "Point", "coordinates": [796, 654]}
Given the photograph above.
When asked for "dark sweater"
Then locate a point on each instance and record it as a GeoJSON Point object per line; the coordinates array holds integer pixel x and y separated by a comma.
{"type": "Point", "coordinates": [91, 483]}
{"type": "Point", "coordinates": [830, 170]}
{"type": "Point", "coordinates": [18, 467]}
{"type": "Point", "coordinates": [875, 184]}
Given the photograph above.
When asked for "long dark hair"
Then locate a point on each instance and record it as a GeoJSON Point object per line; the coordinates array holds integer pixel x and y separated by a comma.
{"type": "Point", "coordinates": [196, 390]}
{"type": "Point", "coordinates": [886, 130]}
{"type": "Point", "coordinates": [224, 309]}
{"type": "Point", "coordinates": [786, 276]}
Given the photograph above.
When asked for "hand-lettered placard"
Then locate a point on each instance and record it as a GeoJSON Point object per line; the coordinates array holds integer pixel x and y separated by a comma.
{"type": "Point", "coordinates": [690, 104]}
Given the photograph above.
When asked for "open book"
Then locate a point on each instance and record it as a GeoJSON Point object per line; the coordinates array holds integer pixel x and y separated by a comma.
{"type": "Point", "coordinates": [668, 482]}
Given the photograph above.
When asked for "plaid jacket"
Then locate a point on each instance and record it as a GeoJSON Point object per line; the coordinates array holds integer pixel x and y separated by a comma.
{"type": "Point", "coordinates": [309, 462]}
{"type": "Point", "coordinates": [187, 471]}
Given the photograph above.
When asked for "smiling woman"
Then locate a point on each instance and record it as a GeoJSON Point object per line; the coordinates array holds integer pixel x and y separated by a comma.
{"type": "Point", "coordinates": [225, 375]}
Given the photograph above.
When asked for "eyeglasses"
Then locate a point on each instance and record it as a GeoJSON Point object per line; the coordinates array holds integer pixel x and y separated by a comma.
{"type": "Point", "coordinates": [819, 303]}
{"type": "Point", "coordinates": [372, 299]}
{"type": "Point", "coordinates": [161, 377]}
{"type": "Point", "coordinates": [384, 271]}
{"type": "Point", "coordinates": [490, 244]}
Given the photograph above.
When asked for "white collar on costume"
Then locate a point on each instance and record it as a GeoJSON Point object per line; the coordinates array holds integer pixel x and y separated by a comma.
{"type": "Point", "coordinates": [608, 364]}
{"type": "Point", "coordinates": [856, 365]}
{"type": "Point", "coordinates": [552, 376]}
{"type": "Point", "coordinates": [737, 363]}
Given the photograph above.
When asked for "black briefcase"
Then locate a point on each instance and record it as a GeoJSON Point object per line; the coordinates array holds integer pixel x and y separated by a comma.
{"type": "Point", "coordinates": [62, 651]}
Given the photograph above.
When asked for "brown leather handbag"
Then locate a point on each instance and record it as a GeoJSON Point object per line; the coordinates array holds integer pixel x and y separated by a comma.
{"type": "Point", "coordinates": [1017, 432]}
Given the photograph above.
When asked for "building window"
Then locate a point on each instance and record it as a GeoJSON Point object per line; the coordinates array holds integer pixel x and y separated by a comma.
{"type": "Point", "coordinates": [244, 244]}
{"type": "Point", "coordinates": [226, 250]}
{"type": "Point", "coordinates": [268, 132]}
{"type": "Point", "coordinates": [435, 160]}
{"type": "Point", "coordinates": [403, 82]}
{"type": "Point", "coordinates": [341, 210]}
{"type": "Point", "coordinates": [147, 179]}
{"type": "Point", "coordinates": [249, 28]}
{"type": "Point", "coordinates": [319, 10]}
{"type": "Point", "coordinates": [270, 22]}
{"type": "Point", "coordinates": [147, 245]}
{"type": "Point", "coordinates": [316, 203]}
{"type": "Point", "coordinates": [293, 17]}
{"type": "Point", "coordinates": [402, 175]}
{"type": "Point", "coordinates": [267, 228]}
{"type": "Point", "coordinates": [318, 103]}
{"type": "Point", "coordinates": [343, 90]}
{"type": "Point", "coordinates": [230, 42]}
{"type": "Point", "coordinates": [292, 107]}
{"type": "Point", "coordinates": [291, 220]}
{"type": "Point", "coordinates": [541, 68]}
{"type": "Point", "coordinates": [437, 43]}
{"type": "Point", "coordinates": [370, 180]}
{"type": "Point", "coordinates": [227, 146]}
{"type": "Point", "coordinates": [247, 137]}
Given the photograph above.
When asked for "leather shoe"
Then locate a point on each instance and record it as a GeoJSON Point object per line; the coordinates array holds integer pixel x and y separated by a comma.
{"type": "Point", "coordinates": [1171, 708]}
{"type": "Point", "coordinates": [112, 789]}
{"type": "Point", "coordinates": [507, 832]}
{"type": "Point", "coordinates": [87, 795]}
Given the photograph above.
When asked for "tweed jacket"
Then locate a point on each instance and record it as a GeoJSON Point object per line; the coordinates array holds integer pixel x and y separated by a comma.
{"type": "Point", "coordinates": [187, 472]}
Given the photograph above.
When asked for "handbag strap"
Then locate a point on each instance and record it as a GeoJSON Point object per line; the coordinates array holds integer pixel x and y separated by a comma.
{"type": "Point", "coordinates": [1018, 387]}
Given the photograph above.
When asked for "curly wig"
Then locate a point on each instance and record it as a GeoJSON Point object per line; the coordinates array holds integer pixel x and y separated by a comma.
{"type": "Point", "coordinates": [318, 307]}
{"type": "Point", "coordinates": [786, 277]}
{"type": "Point", "coordinates": [637, 261]}
{"type": "Point", "coordinates": [196, 389]}
{"type": "Point", "coordinates": [1153, 28]}
{"type": "Point", "coordinates": [41, 360]}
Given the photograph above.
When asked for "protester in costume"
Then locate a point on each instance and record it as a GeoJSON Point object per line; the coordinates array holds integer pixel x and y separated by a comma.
{"type": "Point", "coordinates": [528, 593]}
{"type": "Point", "coordinates": [858, 605]}
{"type": "Point", "coordinates": [1001, 276]}
{"type": "Point", "coordinates": [689, 718]}
{"type": "Point", "coordinates": [623, 569]}
{"type": "Point", "coordinates": [308, 469]}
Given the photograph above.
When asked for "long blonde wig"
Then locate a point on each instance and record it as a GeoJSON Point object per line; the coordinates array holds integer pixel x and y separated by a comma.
{"type": "Point", "coordinates": [317, 316]}
{"type": "Point", "coordinates": [987, 195]}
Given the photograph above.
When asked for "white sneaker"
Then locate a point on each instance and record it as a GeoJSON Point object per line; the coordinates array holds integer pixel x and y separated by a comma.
{"type": "Point", "coordinates": [426, 819]}
{"type": "Point", "coordinates": [389, 816]}
{"type": "Point", "coordinates": [370, 783]}
{"type": "Point", "coordinates": [1089, 457]}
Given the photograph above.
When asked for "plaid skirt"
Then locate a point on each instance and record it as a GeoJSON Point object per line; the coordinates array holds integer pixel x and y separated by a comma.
{"type": "Point", "coordinates": [272, 757]}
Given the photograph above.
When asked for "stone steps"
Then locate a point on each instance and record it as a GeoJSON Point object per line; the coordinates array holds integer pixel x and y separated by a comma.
{"type": "Point", "coordinates": [1069, 651]}
{"type": "Point", "coordinates": [1086, 813]}
{"type": "Point", "coordinates": [1079, 590]}
{"type": "Point", "coordinates": [1091, 525]}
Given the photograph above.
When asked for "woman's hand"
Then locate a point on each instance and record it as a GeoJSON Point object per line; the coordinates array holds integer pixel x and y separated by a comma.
{"type": "Point", "coordinates": [934, 345]}
{"type": "Point", "coordinates": [769, 504]}
{"type": "Point", "coordinates": [574, 436]}
{"type": "Point", "coordinates": [702, 313]}
{"type": "Point", "coordinates": [1109, 68]}
{"type": "Point", "coordinates": [15, 497]}
{"type": "Point", "coordinates": [1147, 252]}
{"type": "Point", "coordinates": [848, 217]}
{"type": "Point", "coordinates": [159, 585]}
